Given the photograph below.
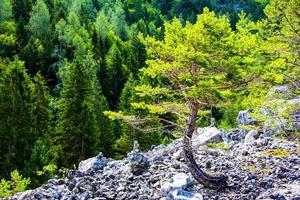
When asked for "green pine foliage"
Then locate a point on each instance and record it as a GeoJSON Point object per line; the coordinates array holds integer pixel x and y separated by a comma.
{"type": "Point", "coordinates": [16, 134]}
{"type": "Point", "coordinates": [7, 29]}
{"type": "Point", "coordinates": [76, 115]}
{"type": "Point", "coordinates": [39, 20]}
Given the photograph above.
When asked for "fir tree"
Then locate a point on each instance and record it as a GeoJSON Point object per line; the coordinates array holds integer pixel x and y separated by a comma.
{"type": "Point", "coordinates": [15, 122]}
{"type": "Point", "coordinates": [39, 20]}
{"type": "Point", "coordinates": [116, 75]}
{"type": "Point", "coordinates": [40, 108]}
{"type": "Point", "coordinates": [7, 29]}
{"type": "Point", "coordinates": [77, 125]}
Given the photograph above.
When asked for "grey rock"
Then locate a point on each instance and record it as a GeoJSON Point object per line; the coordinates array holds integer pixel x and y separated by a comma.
{"type": "Point", "coordinates": [138, 163]}
{"type": "Point", "coordinates": [74, 173]}
{"type": "Point", "coordinates": [161, 174]}
{"type": "Point", "coordinates": [244, 118]}
{"type": "Point", "coordinates": [236, 134]}
{"type": "Point", "coordinates": [282, 89]}
{"type": "Point", "coordinates": [251, 137]}
{"type": "Point", "coordinates": [207, 134]}
{"type": "Point", "coordinates": [93, 164]}
{"type": "Point", "coordinates": [176, 181]}
{"type": "Point", "coordinates": [181, 194]}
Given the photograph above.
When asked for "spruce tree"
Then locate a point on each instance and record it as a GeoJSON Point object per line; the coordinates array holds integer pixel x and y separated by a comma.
{"type": "Point", "coordinates": [39, 22]}
{"type": "Point", "coordinates": [40, 108]}
{"type": "Point", "coordinates": [116, 74]}
{"type": "Point", "coordinates": [76, 120]}
{"type": "Point", "coordinates": [15, 121]}
{"type": "Point", "coordinates": [105, 126]}
{"type": "Point", "coordinates": [78, 133]}
{"type": "Point", "coordinates": [7, 29]}
{"type": "Point", "coordinates": [5, 10]}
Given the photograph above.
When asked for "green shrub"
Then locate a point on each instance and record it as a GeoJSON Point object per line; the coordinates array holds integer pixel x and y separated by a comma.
{"type": "Point", "coordinates": [220, 145]}
{"type": "Point", "coordinates": [16, 184]}
{"type": "Point", "coordinates": [277, 152]}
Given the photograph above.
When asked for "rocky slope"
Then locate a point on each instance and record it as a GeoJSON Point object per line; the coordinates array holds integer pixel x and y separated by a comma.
{"type": "Point", "coordinates": [258, 167]}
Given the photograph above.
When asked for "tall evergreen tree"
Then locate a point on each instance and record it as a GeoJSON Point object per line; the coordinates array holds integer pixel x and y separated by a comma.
{"type": "Point", "coordinates": [37, 51]}
{"type": "Point", "coordinates": [105, 126]}
{"type": "Point", "coordinates": [40, 127]}
{"type": "Point", "coordinates": [5, 10]}
{"type": "Point", "coordinates": [21, 12]}
{"type": "Point", "coordinates": [7, 29]}
{"type": "Point", "coordinates": [40, 109]}
{"type": "Point", "coordinates": [102, 28]}
{"type": "Point", "coordinates": [77, 128]}
{"type": "Point", "coordinates": [39, 22]}
{"type": "Point", "coordinates": [15, 121]}
{"type": "Point", "coordinates": [116, 74]}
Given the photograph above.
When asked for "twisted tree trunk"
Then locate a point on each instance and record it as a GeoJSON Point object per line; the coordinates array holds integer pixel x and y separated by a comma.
{"type": "Point", "coordinates": [213, 182]}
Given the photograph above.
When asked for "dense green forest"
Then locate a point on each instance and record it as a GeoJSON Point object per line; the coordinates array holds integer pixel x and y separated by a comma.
{"type": "Point", "coordinates": [64, 63]}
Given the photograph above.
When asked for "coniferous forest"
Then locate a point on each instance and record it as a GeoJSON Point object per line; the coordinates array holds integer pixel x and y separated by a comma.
{"type": "Point", "coordinates": [79, 77]}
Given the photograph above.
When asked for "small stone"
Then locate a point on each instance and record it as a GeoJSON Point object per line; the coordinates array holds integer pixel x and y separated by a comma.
{"type": "Point", "coordinates": [181, 194]}
{"type": "Point", "coordinates": [138, 163]}
{"type": "Point", "coordinates": [74, 173]}
{"type": "Point", "coordinates": [250, 137]}
{"type": "Point", "coordinates": [208, 164]}
{"type": "Point", "coordinates": [119, 189]}
{"type": "Point", "coordinates": [176, 181]}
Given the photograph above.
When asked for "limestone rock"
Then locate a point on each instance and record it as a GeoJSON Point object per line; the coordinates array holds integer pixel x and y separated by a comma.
{"type": "Point", "coordinates": [256, 171]}
{"type": "Point", "coordinates": [282, 89]}
{"type": "Point", "coordinates": [244, 118]}
{"type": "Point", "coordinates": [181, 194]}
{"type": "Point", "coordinates": [176, 181]}
{"type": "Point", "coordinates": [93, 164]}
{"type": "Point", "coordinates": [251, 136]}
{"type": "Point", "coordinates": [207, 134]}
{"type": "Point", "coordinates": [138, 163]}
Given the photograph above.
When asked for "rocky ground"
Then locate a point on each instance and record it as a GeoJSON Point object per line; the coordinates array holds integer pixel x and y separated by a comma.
{"type": "Point", "coordinates": [258, 167]}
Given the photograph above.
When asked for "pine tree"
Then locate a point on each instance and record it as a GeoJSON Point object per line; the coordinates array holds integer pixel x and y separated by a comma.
{"type": "Point", "coordinates": [15, 122]}
{"type": "Point", "coordinates": [40, 108]}
{"type": "Point", "coordinates": [39, 22]}
{"type": "Point", "coordinates": [77, 121]}
{"type": "Point", "coordinates": [116, 75]}
{"type": "Point", "coordinates": [5, 10]}
{"type": "Point", "coordinates": [202, 64]}
{"type": "Point", "coordinates": [282, 34]}
{"type": "Point", "coordinates": [7, 29]}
